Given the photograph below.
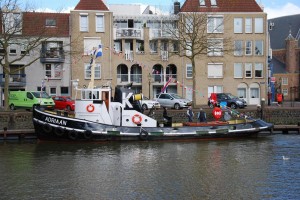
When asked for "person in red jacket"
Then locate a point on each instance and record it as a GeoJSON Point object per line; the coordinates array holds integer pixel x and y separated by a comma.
{"type": "Point", "coordinates": [279, 99]}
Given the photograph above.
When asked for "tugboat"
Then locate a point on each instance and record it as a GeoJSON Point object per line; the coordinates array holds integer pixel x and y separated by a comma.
{"type": "Point", "coordinates": [98, 118]}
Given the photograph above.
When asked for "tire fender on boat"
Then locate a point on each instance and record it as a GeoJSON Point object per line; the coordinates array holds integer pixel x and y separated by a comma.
{"type": "Point", "coordinates": [47, 128]}
{"type": "Point", "coordinates": [73, 135]}
{"type": "Point", "coordinates": [143, 135]}
{"type": "Point", "coordinates": [88, 134]}
{"type": "Point", "coordinates": [59, 131]}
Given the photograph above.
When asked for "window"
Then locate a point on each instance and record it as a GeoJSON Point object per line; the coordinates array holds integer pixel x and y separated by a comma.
{"type": "Point", "coordinates": [12, 49]}
{"type": "Point", "coordinates": [12, 22]}
{"type": "Point", "coordinates": [285, 92]}
{"type": "Point", "coordinates": [248, 50]}
{"type": "Point", "coordinates": [64, 91]}
{"type": "Point", "coordinates": [214, 89]}
{"type": "Point", "coordinates": [238, 70]}
{"type": "Point", "coordinates": [87, 71]}
{"type": "Point", "coordinates": [53, 71]}
{"type": "Point", "coordinates": [52, 91]}
{"type": "Point", "coordinates": [99, 23]}
{"type": "Point", "coordinates": [254, 92]}
{"type": "Point", "coordinates": [84, 23]}
{"type": "Point", "coordinates": [175, 46]}
{"type": "Point", "coordinates": [215, 70]}
{"type": "Point", "coordinates": [259, 48]}
{"type": "Point", "coordinates": [248, 70]}
{"type": "Point", "coordinates": [213, 2]}
{"type": "Point", "coordinates": [189, 25]}
{"type": "Point", "coordinates": [39, 88]}
{"type": "Point", "coordinates": [153, 46]}
{"type": "Point", "coordinates": [50, 22]}
{"type": "Point", "coordinates": [90, 45]}
{"type": "Point", "coordinates": [258, 70]}
{"type": "Point", "coordinates": [188, 48]}
{"type": "Point", "coordinates": [284, 81]}
{"type": "Point", "coordinates": [189, 71]}
{"type": "Point", "coordinates": [215, 47]}
{"type": "Point", "coordinates": [238, 25]}
{"type": "Point", "coordinates": [238, 48]}
{"type": "Point", "coordinates": [202, 2]}
{"type": "Point", "coordinates": [248, 25]}
{"type": "Point", "coordinates": [259, 28]}
{"type": "Point", "coordinates": [215, 24]}
{"type": "Point", "coordinates": [241, 92]}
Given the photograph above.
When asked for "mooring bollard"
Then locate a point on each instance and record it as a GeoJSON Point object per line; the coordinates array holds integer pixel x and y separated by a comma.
{"type": "Point", "coordinates": [4, 133]}
{"type": "Point", "coordinates": [262, 103]}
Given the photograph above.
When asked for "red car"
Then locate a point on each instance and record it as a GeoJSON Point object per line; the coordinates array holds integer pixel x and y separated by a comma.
{"type": "Point", "coordinates": [64, 103]}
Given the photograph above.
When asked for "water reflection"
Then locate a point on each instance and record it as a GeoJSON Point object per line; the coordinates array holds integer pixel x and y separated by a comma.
{"type": "Point", "coordinates": [239, 169]}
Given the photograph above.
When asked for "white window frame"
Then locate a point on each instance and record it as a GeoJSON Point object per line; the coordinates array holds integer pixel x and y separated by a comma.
{"type": "Point", "coordinates": [189, 28]}
{"type": "Point", "coordinates": [213, 2]}
{"type": "Point", "coordinates": [238, 47]}
{"type": "Point", "coordinates": [202, 2]}
{"type": "Point", "coordinates": [248, 47]}
{"type": "Point", "coordinates": [90, 44]}
{"type": "Point", "coordinates": [259, 25]}
{"type": "Point", "coordinates": [215, 70]}
{"type": "Point", "coordinates": [88, 73]}
{"type": "Point", "coordinates": [100, 25]}
{"type": "Point", "coordinates": [258, 69]}
{"type": "Point", "coordinates": [50, 92]}
{"type": "Point", "coordinates": [84, 24]}
{"type": "Point", "coordinates": [214, 89]}
{"type": "Point", "coordinates": [55, 71]}
{"type": "Point", "coordinates": [285, 91]}
{"type": "Point", "coordinates": [248, 25]}
{"type": "Point", "coordinates": [215, 24]}
{"type": "Point", "coordinates": [248, 70]}
{"type": "Point", "coordinates": [284, 81]}
{"type": "Point", "coordinates": [13, 49]}
{"type": "Point", "coordinates": [215, 47]}
{"type": "Point", "coordinates": [238, 25]}
{"type": "Point", "coordinates": [189, 71]}
{"type": "Point", "coordinates": [188, 51]}
{"type": "Point", "coordinates": [259, 48]}
{"type": "Point", "coordinates": [238, 70]}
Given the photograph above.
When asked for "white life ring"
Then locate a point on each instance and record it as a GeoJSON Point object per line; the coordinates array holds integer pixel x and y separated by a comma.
{"type": "Point", "coordinates": [90, 108]}
{"type": "Point", "coordinates": [137, 119]}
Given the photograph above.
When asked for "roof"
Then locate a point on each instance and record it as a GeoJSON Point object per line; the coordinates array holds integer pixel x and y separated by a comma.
{"type": "Point", "coordinates": [91, 5]}
{"type": "Point", "coordinates": [222, 6]}
{"type": "Point", "coordinates": [278, 66]}
{"type": "Point", "coordinates": [34, 23]}
{"type": "Point", "coordinates": [281, 28]}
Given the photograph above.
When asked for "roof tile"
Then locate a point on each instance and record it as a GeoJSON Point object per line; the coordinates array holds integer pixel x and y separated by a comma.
{"type": "Point", "coordinates": [91, 5]}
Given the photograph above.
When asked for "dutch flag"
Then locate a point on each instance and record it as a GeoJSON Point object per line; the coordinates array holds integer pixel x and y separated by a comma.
{"type": "Point", "coordinates": [98, 52]}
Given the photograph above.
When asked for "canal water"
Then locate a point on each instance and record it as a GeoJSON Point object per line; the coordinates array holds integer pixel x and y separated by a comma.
{"type": "Point", "coordinates": [226, 169]}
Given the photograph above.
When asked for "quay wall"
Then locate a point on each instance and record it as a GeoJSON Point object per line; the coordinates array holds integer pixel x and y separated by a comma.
{"type": "Point", "coordinates": [20, 120]}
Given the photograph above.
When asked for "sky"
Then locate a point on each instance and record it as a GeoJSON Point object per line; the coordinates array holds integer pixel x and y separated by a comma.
{"type": "Point", "coordinates": [274, 8]}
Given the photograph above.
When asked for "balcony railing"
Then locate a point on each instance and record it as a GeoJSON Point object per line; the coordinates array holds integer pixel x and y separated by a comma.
{"type": "Point", "coordinates": [160, 33]}
{"type": "Point", "coordinates": [136, 78]}
{"type": "Point", "coordinates": [121, 78]}
{"type": "Point", "coordinates": [128, 55]}
{"type": "Point", "coordinates": [164, 55]}
{"type": "Point", "coordinates": [14, 79]}
{"type": "Point", "coordinates": [129, 33]}
{"type": "Point", "coordinates": [52, 56]}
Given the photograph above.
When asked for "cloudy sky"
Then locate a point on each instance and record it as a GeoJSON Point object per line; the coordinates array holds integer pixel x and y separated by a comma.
{"type": "Point", "coordinates": [274, 8]}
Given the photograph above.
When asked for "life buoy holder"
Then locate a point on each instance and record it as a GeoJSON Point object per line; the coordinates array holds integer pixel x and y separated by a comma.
{"type": "Point", "coordinates": [137, 119]}
{"type": "Point", "coordinates": [90, 108]}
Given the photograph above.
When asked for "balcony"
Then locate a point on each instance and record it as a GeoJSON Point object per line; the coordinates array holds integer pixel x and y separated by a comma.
{"type": "Point", "coordinates": [128, 33]}
{"type": "Point", "coordinates": [15, 80]}
{"type": "Point", "coordinates": [52, 56]}
{"type": "Point", "coordinates": [162, 34]}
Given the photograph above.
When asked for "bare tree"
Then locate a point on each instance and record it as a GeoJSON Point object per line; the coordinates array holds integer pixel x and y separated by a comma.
{"type": "Point", "coordinates": [27, 32]}
{"type": "Point", "coordinates": [199, 35]}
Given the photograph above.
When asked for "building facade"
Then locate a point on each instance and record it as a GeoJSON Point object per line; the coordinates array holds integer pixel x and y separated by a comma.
{"type": "Point", "coordinates": [138, 50]}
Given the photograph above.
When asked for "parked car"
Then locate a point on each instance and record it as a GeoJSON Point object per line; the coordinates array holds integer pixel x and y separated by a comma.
{"type": "Point", "coordinates": [171, 100]}
{"type": "Point", "coordinates": [64, 103]}
{"type": "Point", "coordinates": [28, 99]}
{"type": "Point", "coordinates": [148, 104]}
{"type": "Point", "coordinates": [231, 101]}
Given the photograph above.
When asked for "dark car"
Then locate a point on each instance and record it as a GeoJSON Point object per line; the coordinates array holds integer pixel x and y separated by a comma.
{"type": "Point", "coordinates": [231, 101]}
{"type": "Point", "coordinates": [64, 103]}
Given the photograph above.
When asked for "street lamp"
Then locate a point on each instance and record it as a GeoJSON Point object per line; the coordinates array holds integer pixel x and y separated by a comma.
{"type": "Point", "coordinates": [149, 81]}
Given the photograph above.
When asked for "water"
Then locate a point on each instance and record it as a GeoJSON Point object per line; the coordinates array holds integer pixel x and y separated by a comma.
{"type": "Point", "coordinates": [228, 169]}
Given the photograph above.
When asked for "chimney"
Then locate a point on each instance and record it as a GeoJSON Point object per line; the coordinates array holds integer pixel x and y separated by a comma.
{"type": "Point", "coordinates": [176, 7]}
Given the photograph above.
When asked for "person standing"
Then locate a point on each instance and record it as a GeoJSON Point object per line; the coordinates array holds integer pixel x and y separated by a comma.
{"type": "Point", "coordinates": [190, 114]}
{"type": "Point", "coordinates": [201, 115]}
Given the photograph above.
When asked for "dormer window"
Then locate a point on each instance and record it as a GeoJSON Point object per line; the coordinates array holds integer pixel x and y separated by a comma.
{"type": "Point", "coordinates": [50, 22]}
{"type": "Point", "coordinates": [202, 2]}
{"type": "Point", "coordinates": [213, 2]}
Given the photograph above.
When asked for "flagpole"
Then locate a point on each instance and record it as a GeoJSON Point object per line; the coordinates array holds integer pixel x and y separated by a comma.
{"type": "Point", "coordinates": [91, 84]}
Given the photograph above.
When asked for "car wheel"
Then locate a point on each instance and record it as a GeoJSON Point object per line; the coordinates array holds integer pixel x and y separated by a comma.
{"type": "Point", "coordinates": [211, 105]}
{"type": "Point", "coordinates": [145, 107]}
{"type": "Point", "coordinates": [233, 106]}
{"type": "Point", "coordinates": [68, 108]}
{"type": "Point", "coordinates": [12, 106]}
{"type": "Point", "coordinates": [177, 106]}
